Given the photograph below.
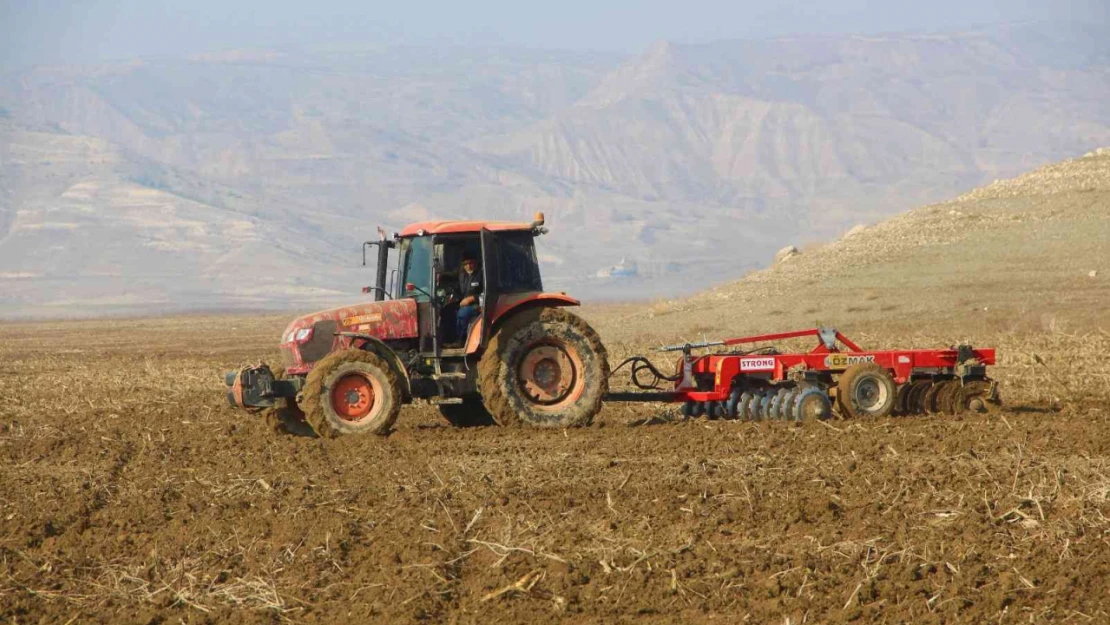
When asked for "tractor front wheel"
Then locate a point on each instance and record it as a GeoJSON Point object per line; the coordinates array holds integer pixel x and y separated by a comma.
{"type": "Point", "coordinates": [545, 367]}
{"type": "Point", "coordinates": [351, 392]}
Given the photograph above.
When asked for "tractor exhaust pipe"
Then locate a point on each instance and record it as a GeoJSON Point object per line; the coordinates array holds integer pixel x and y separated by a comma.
{"type": "Point", "coordinates": [383, 265]}
{"type": "Point", "coordinates": [384, 245]}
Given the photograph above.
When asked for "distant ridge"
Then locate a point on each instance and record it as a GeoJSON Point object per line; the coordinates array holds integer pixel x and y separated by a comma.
{"type": "Point", "coordinates": [250, 178]}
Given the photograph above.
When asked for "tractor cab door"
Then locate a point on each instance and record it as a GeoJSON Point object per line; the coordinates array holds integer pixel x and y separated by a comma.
{"type": "Point", "coordinates": [490, 283]}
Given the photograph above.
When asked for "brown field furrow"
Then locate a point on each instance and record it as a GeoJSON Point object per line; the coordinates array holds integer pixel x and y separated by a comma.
{"type": "Point", "coordinates": [131, 493]}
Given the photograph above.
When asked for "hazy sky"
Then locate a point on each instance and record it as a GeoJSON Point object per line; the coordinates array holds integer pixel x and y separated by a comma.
{"type": "Point", "coordinates": [53, 31]}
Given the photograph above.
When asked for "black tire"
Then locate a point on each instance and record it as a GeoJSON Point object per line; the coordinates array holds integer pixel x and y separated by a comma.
{"type": "Point", "coordinates": [512, 395]}
{"type": "Point", "coordinates": [363, 370]}
{"type": "Point", "coordinates": [866, 389]}
{"type": "Point", "coordinates": [470, 413]}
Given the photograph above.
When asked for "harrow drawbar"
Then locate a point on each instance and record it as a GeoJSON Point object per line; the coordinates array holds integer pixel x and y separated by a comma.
{"type": "Point", "coordinates": [836, 376]}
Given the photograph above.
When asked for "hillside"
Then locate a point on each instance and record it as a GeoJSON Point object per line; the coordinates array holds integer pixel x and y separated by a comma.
{"type": "Point", "coordinates": [250, 178]}
{"type": "Point", "coordinates": [1021, 263]}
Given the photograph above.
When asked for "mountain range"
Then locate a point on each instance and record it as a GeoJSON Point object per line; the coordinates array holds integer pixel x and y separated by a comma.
{"type": "Point", "coordinates": [249, 179]}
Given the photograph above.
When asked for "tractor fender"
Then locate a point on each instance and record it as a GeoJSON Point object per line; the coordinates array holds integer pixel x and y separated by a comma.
{"type": "Point", "coordinates": [378, 347]}
{"type": "Point", "coordinates": [508, 305]}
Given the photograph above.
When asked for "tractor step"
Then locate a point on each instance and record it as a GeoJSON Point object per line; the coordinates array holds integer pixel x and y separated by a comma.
{"type": "Point", "coordinates": [446, 401]}
{"type": "Point", "coordinates": [450, 375]}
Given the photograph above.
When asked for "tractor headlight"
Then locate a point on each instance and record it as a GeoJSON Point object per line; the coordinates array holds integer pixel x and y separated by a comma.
{"type": "Point", "coordinates": [302, 335]}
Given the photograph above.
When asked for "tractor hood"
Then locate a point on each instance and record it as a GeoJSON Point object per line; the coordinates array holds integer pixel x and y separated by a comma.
{"type": "Point", "coordinates": [311, 337]}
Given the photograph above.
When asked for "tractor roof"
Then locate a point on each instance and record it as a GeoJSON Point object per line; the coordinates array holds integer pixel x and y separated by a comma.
{"type": "Point", "coordinates": [459, 227]}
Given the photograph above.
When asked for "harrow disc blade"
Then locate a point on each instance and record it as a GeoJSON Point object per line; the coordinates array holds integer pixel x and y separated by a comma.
{"type": "Point", "coordinates": [915, 403]}
{"type": "Point", "coordinates": [929, 401]}
{"type": "Point", "coordinates": [946, 398]}
{"type": "Point", "coordinates": [901, 408]}
{"type": "Point", "coordinates": [744, 407]}
{"type": "Point", "coordinates": [811, 404]}
{"type": "Point", "coordinates": [764, 406]}
{"type": "Point", "coordinates": [730, 407]}
{"type": "Point", "coordinates": [754, 404]}
{"type": "Point", "coordinates": [787, 407]}
{"type": "Point", "coordinates": [776, 405]}
{"type": "Point", "coordinates": [975, 396]}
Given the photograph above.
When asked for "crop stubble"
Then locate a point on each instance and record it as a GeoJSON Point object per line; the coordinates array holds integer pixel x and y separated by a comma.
{"type": "Point", "coordinates": [130, 493]}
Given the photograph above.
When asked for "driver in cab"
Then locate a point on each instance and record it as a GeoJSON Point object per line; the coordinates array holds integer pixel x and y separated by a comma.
{"type": "Point", "coordinates": [470, 287]}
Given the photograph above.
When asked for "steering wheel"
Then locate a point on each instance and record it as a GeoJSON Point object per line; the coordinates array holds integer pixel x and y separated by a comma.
{"type": "Point", "coordinates": [447, 294]}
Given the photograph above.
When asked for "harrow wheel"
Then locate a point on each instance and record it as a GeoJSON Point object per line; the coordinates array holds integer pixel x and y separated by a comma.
{"type": "Point", "coordinates": [866, 389]}
{"type": "Point", "coordinates": [351, 392]}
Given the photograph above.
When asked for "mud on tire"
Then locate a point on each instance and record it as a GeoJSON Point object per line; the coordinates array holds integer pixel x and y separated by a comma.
{"type": "Point", "coordinates": [351, 392]}
{"type": "Point", "coordinates": [544, 367]}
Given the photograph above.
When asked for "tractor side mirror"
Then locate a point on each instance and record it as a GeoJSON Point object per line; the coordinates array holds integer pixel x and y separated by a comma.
{"type": "Point", "coordinates": [366, 289]}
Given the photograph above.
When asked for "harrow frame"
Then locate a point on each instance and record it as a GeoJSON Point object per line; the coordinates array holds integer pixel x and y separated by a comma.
{"type": "Point", "coordinates": [706, 381]}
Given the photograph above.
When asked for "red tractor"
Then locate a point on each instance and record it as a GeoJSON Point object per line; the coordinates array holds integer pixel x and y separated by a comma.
{"type": "Point", "coordinates": [525, 358]}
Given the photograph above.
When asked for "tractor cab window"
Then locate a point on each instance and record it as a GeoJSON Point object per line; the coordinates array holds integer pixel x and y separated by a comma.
{"type": "Point", "coordinates": [450, 250]}
{"type": "Point", "coordinates": [516, 263]}
{"type": "Point", "coordinates": [416, 259]}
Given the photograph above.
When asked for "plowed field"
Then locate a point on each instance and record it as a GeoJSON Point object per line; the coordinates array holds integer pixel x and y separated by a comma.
{"type": "Point", "coordinates": [129, 493]}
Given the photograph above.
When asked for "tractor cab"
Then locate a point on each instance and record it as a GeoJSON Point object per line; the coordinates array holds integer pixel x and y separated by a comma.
{"type": "Point", "coordinates": [428, 261]}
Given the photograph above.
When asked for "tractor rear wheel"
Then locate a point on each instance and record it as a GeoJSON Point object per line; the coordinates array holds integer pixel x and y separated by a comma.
{"type": "Point", "coordinates": [351, 392]}
{"type": "Point", "coordinates": [544, 367]}
{"type": "Point", "coordinates": [866, 389]}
